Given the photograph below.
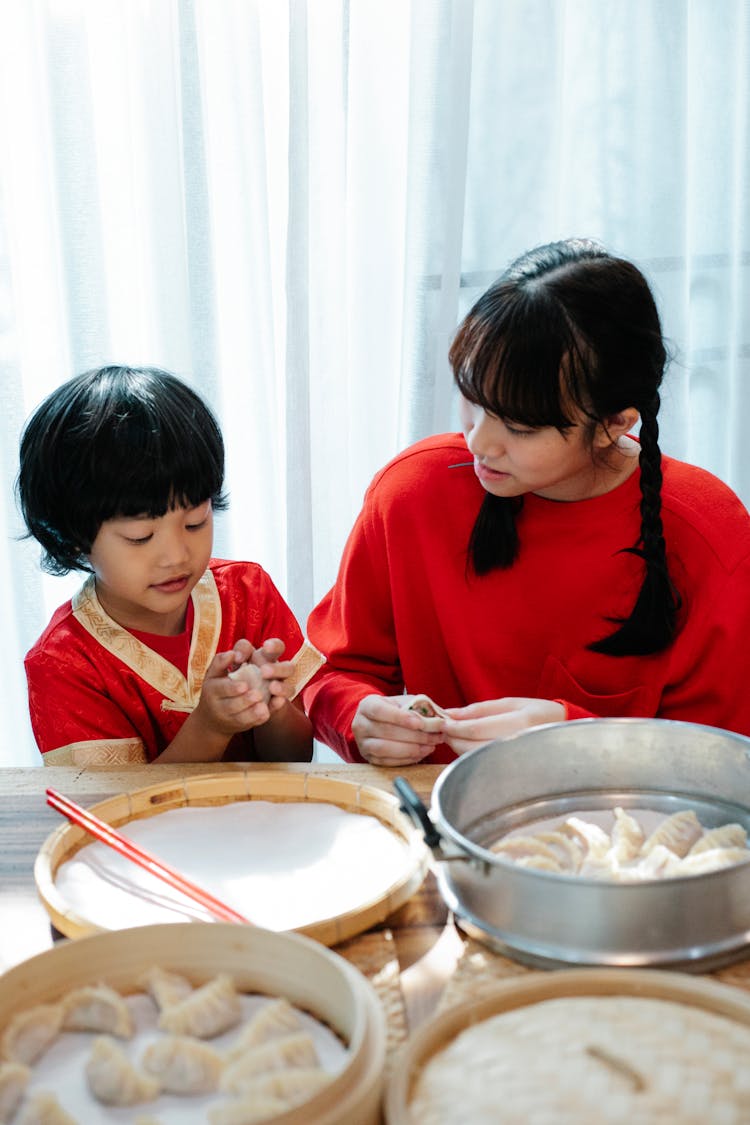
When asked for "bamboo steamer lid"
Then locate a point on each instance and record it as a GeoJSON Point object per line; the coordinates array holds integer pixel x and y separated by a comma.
{"type": "Point", "coordinates": [310, 976]}
{"type": "Point", "coordinates": [687, 1003]}
{"type": "Point", "coordinates": [213, 790]}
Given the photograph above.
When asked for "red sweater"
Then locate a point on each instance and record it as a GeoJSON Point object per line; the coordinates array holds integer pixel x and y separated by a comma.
{"type": "Point", "coordinates": [407, 614]}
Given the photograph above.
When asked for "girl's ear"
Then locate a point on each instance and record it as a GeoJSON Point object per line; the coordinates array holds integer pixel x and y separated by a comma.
{"type": "Point", "coordinates": [614, 426]}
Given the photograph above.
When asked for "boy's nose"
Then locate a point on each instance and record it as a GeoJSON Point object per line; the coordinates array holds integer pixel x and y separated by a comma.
{"type": "Point", "coordinates": [176, 551]}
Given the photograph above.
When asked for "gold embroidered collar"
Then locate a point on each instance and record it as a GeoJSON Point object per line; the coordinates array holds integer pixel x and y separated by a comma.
{"type": "Point", "coordinates": [180, 694]}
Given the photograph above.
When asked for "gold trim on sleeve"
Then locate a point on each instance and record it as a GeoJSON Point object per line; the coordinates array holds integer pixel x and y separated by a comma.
{"type": "Point", "coordinates": [104, 752]}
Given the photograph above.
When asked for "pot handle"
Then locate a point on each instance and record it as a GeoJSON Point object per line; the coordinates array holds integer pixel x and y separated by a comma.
{"type": "Point", "coordinates": [414, 808]}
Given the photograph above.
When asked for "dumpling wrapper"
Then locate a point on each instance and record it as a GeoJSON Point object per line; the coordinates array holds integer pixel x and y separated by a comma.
{"type": "Point", "coordinates": [14, 1078]}
{"type": "Point", "coordinates": [31, 1032]}
{"type": "Point", "coordinates": [183, 1065]}
{"type": "Point", "coordinates": [43, 1108]}
{"type": "Point", "coordinates": [112, 1078]}
{"type": "Point", "coordinates": [97, 1007]}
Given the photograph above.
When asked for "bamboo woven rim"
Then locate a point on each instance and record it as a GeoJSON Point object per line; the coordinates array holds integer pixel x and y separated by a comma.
{"type": "Point", "coordinates": [534, 987]}
{"type": "Point", "coordinates": [259, 961]}
{"type": "Point", "coordinates": [206, 790]}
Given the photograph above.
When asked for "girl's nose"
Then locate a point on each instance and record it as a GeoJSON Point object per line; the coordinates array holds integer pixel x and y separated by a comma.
{"type": "Point", "coordinates": [484, 439]}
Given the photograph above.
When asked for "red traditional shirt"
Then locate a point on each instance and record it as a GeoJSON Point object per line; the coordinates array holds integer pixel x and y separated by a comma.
{"type": "Point", "coordinates": [101, 694]}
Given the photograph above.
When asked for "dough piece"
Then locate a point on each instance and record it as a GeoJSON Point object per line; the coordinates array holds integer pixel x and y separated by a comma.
{"type": "Point", "coordinates": [206, 1012]}
{"type": "Point", "coordinates": [250, 673]}
{"type": "Point", "coordinates": [247, 1111]}
{"type": "Point", "coordinates": [31, 1032]}
{"type": "Point", "coordinates": [14, 1078]}
{"type": "Point", "coordinates": [279, 1054]}
{"type": "Point", "coordinates": [43, 1109]}
{"type": "Point", "coordinates": [273, 1021]}
{"type": "Point", "coordinates": [727, 836]}
{"type": "Point", "coordinates": [678, 833]}
{"type": "Point", "coordinates": [97, 1008]}
{"type": "Point", "coordinates": [183, 1065]}
{"type": "Point", "coordinates": [432, 715]}
{"type": "Point", "coordinates": [166, 988]}
{"type": "Point", "coordinates": [627, 837]}
{"type": "Point", "coordinates": [112, 1078]}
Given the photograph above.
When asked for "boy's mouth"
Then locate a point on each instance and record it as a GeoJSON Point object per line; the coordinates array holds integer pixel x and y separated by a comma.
{"type": "Point", "coordinates": [172, 585]}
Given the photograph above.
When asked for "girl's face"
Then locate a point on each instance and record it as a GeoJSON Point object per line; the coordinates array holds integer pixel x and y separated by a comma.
{"type": "Point", "coordinates": [146, 567]}
{"type": "Point", "coordinates": [510, 460]}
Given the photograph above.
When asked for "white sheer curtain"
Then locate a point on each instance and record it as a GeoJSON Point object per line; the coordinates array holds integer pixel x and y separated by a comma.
{"type": "Point", "coordinates": [292, 204]}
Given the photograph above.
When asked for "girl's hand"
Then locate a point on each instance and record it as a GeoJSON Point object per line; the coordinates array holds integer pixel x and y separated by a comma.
{"type": "Point", "coordinates": [390, 735]}
{"type": "Point", "coordinates": [479, 723]}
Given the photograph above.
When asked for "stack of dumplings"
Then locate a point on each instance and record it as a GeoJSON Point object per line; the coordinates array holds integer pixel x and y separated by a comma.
{"type": "Point", "coordinates": [678, 846]}
{"type": "Point", "coordinates": [271, 1066]}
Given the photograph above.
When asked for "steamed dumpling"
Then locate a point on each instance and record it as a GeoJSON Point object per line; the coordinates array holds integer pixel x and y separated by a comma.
{"type": "Point", "coordinates": [206, 1012]}
{"type": "Point", "coordinates": [525, 849]}
{"type": "Point", "coordinates": [293, 1086]}
{"type": "Point", "coordinates": [31, 1032]}
{"type": "Point", "coordinates": [183, 1065]}
{"type": "Point", "coordinates": [697, 863]}
{"type": "Point", "coordinates": [112, 1078]}
{"type": "Point", "coordinates": [97, 1008]}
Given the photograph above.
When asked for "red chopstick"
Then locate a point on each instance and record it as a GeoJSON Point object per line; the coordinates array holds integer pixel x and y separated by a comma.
{"type": "Point", "coordinates": [110, 836]}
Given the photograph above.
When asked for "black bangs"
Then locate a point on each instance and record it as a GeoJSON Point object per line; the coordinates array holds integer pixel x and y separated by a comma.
{"type": "Point", "coordinates": [114, 442]}
{"type": "Point", "coordinates": [516, 355]}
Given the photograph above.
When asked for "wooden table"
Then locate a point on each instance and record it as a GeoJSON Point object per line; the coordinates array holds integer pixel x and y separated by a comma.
{"type": "Point", "coordinates": [417, 958]}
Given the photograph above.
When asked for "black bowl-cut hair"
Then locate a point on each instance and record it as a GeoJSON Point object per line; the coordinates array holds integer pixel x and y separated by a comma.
{"type": "Point", "coordinates": [114, 442]}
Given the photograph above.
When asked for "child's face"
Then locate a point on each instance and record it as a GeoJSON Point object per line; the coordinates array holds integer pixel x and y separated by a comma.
{"type": "Point", "coordinates": [146, 567]}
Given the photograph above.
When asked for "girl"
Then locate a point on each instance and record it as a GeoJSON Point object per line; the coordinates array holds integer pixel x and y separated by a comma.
{"type": "Point", "coordinates": [121, 471]}
{"type": "Point", "coordinates": [545, 563]}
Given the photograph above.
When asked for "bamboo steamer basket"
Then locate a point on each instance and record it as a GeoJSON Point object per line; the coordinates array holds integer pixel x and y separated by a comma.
{"type": "Point", "coordinates": [205, 790]}
{"type": "Point", "coordinates": [532, 988]}
{"type": "Point", "coordinates": [310, 976]}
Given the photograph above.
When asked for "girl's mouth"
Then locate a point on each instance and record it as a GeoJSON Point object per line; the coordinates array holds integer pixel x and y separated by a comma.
{"type": "Point", "coordinates": [484, 472]}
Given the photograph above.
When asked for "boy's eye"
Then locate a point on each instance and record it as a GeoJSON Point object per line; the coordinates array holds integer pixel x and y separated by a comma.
{"type": "Point", "coordinates": [197, 526]}
{"type": "Point", "coordinates": [139, 540]}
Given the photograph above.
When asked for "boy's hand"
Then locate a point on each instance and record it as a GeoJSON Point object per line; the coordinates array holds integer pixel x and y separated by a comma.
{"type": "Point", "coordinates": [269, 679]}
{"type": "Point", "coordinates": [228, 705]}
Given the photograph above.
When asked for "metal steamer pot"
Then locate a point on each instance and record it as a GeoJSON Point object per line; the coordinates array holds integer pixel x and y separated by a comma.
{"type": "Point", "coordinates": [546, 919]}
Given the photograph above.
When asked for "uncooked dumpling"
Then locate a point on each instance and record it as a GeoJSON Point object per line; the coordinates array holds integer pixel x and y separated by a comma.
{"type": "Point", "coordinates": [727, 836]}
{"type": "Point", "coordinates": [14, 1078]}
{"type": "Point", "coordinates": [206, 1012]}
{"type": "Point", "coordinates": [31, 1032]}
{"type": "Point", "coordinates": [166, 988]}
{"type": "Point", "coordinates": [112, 1078]}
{"type": "Point", "coordinates": [247, 1111]}
{"type": "Point", "coordinates": [274, 1020]}
{"type": "Point", "coordinates": [678, 833]}
{"type": "Point", "coordinates": [627, 837]}
{"type": "Point", "coordinates": [183, 1065]}
{"type": "Point", "coordinates": [279, 1054]}
{"type": "Point", "coordinates": [97, 1008]}
{"type": "Point", "coordinates": [293, 1086]}
{"type": "Point", "coordinates": [43, 1109]}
